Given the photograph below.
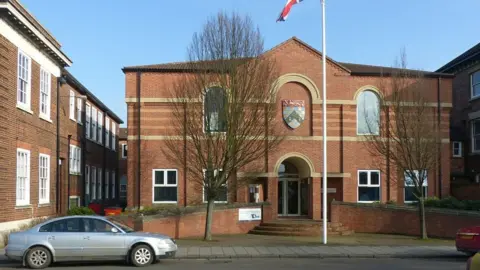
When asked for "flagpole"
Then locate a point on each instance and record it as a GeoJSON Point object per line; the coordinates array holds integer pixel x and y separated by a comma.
{"type": "Point", "coordinates": [324, 103]}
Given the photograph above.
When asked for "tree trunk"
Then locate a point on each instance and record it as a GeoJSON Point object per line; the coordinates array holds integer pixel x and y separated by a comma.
{"type": "Point", "coordinates": [208, 220]}
{"type": "Point", "coordinates": [423, 224]}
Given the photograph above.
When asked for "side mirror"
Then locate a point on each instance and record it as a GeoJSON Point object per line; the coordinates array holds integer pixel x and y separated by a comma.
{"type": "Point", "coordinates": [114, 230]}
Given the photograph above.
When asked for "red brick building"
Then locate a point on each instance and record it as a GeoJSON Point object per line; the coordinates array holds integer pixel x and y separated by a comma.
{"type": "Point", "coordinates": [122, 165]}
{"type": "Point", "coordinates": [292, 182]}
{"type": "Point", "coordinates": [43, 120]}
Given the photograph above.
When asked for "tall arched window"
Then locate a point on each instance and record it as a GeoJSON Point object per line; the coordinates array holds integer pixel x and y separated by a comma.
{"type": "Point", "coordinates": [215, 119]}
{"type": "Point", "coordinates": [368, 113]}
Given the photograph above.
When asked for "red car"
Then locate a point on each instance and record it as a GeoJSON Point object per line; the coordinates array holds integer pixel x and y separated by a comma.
{"type": "Point", "coordinates": [468, 240]}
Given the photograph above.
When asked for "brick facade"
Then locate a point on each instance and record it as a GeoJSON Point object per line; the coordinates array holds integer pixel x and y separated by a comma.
{"type": "Point", "coordinates": [28, 129]}
{"type": "Point", "coordinates": [301, 78]}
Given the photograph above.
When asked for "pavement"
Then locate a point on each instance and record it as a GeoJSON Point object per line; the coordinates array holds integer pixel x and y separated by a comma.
{"type": "Point", "coordinates": [279, 264]}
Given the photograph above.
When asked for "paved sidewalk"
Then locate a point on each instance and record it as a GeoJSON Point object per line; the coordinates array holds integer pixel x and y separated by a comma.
{"type": "Point", "coordinates": [318, 252]}
{"type": "Point", "coordinates": [237, 252]}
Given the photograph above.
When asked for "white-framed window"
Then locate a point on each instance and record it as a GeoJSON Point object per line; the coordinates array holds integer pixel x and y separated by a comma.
{"type": "Point", "coordinates": [107, 132]}
{"type": "Point", "coordinates": [94, 124]}
{"type": "Point", "coordinates": [79, 110]}
{"type": "Point", "coordinates": [74, 201]}
{"type": "Point", "coordinates": [100, 183]}
{"type": "Point", "coordinates": [87, 180]}
{"type": "Point", "coordinates": [475, 84]}
{"type": "Point", "coordinates": [164, 185]}
{"type": "Point", "coordinates": [368, 185]}
{"type": "Point", "coordinates": [223, 191]}
{"type": "Point", "coordinates": [24, 78]}
{"type": "Point", "coordinates": [114, 186]}
{"type": "Point", "coordinates": [457, 150]}
{"type": "Point", "coordinates": [72, 105]}
{"type": "Point", "coordinates": [114, 134]}
{"type": "Point", "coordinates": [23, 177]}
{"type": "Point", "coordinates": [123, 191]}
{"type": "Point", "coordinates": [410, 190]}
{"type": "Point", "coordinates": [94, 183]}
{"type": "Point", "coordinates": [476, 135]}
{"type": "Point", "coordinates": [45, 94]}
{"type": "Point", "coordinates": [75, 159]}
{"type": "Point", "coordinates": [44, 179]}
{"type": "Point", "coordinates": [100, 127]}
{"type": "Point", "coordinates": [107, 183]}
{"type": "Point", "coordinates": [124, 150]}
{"type": "Point", "coordinates": [368, 113]}
{"type": "Point", "coordinates": [88, 120]}
{"type": "Point", "coordinates": [214, 105]}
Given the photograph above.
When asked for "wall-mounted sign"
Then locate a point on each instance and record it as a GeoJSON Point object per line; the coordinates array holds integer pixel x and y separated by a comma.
{"type": "Point", "coordinates": [330, 190]}
{"type": "Point", "coordinates": [293, 112]}
{"type": "Point", "coordinates": [249, 214]}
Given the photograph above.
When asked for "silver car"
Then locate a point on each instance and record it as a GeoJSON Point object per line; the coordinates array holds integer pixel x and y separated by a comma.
{"type": "Point", "coordinates": [86, 238]}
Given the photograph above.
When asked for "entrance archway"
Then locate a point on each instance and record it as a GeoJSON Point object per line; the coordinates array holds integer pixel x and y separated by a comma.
{"type": "Point", "coordinates": [293, 187]}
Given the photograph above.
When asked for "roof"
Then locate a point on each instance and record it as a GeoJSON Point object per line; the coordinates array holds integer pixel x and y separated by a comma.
{"type": "Point", "coordinates": [83, 90]}
{"type": "Point", "coordinates": [123, 134]}
{"type": "Point", "coordinates": [369, 70]}
{"type": "Point", "coordinates": [472, 54]}
{"type": "Point", "coordinates": [16, 14]}
{"type": "Point", "coordinates": [353, 69]}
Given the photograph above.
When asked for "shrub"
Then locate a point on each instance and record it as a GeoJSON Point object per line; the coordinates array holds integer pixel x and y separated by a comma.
{"type": "Point", "coordinates": [80, 211]}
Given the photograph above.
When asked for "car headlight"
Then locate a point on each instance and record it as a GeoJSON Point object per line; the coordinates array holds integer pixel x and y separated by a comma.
{"type": "Point", "coordinates": [173, 240]}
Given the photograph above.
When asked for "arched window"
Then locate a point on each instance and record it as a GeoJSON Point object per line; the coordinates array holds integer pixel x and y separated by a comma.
{"type": "Point", "coordinates": [215, 119]}
{"type": "Point", "coordinates": [368, 113]}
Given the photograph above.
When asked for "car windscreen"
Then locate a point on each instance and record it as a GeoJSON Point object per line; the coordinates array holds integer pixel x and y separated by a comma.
{"type": "Point", "coordinates": [122, 226]}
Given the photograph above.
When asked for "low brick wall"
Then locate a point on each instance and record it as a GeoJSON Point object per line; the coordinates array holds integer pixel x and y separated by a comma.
{"type": "Point", "coordinates": [466, 191]}
{"type": "Point", "coordinates": [393, 219]}
{"type": "Point", "coordinates": [225, 221]}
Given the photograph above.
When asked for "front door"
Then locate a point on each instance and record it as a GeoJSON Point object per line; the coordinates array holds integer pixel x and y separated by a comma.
{"type": "Point", "coordinates": [289, 199]}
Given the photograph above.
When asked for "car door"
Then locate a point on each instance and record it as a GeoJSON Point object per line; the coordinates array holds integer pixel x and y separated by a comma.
{"type": "Point", "coordinates": [64, 237]}
{"type": "Point", "coordinates": [99, 242]}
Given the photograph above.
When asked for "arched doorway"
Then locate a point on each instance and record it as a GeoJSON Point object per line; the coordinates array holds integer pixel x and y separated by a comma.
{"type": "Point", "coordinates": [293, 195]}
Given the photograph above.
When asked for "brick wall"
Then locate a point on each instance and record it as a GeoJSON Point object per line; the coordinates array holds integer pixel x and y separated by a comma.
{"type": "Point", "coordinates": [466, 191]}
{"type": "Point", "coordinates": [389, 219]}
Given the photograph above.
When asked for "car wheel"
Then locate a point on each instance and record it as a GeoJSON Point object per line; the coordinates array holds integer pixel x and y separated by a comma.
{"type": "Point", "coordinates": [38, 258]}
{"type": "Point", "coordinates": [142, 255]}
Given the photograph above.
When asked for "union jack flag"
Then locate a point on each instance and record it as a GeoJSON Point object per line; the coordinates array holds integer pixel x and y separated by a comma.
{"type": "Point", "coordinates": [286, 10]}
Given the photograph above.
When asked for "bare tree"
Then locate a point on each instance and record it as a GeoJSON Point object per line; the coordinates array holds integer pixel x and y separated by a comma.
{"type": "Point", "coordinates": [224, 107]}
{"type": "Point", "coordinates": [405, 134]}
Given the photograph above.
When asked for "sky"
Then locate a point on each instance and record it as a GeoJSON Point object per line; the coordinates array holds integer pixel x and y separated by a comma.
{"type": "Point", "coordinates": [103, 36]}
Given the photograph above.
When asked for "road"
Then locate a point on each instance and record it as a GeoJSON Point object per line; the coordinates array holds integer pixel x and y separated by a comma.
{"type": "Point", "coordinates": [278, 264]}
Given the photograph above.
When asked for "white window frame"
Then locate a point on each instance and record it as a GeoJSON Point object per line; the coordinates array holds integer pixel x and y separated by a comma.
{"type": "Point", "coordinates": [87, 180]}
{"type": "Point", "coordinates": [94, 183]}
{"type": "Point", "coordinates": [369, 184]}
{"type": "Point", "coordinates": [203, 187]}
{"type": "Point", "coordinates": [44, 177]}
{"type": "Point", "coordinates": [94, 124]}
{"type": "Point", "coordinates": [100, 128]}
{"type": "Point", "coordinates": [79, 111]}
{"type": "Point", "coordinates": [472, 85]}
{"type": "Point", "coordinates": [75, 160]}
{"type": "Point", "coordinates": [100, 183]}
{"type": "Point", "coordinates": [114, 136]}
{"type": "Point", "coordinates": [27, 79]}
{"type": "Point", "coordinates": [424, 184]}
{"type": "Point", "coordinates": [23, 199]}
{"type": "Point", "coordinates": [72, 105]}
{"type": "Point", "coordinates": [459, 146]}
{"type": "Point", "coordinates": [107, 132]}
{"type": "Point", "coordinates": [473, 135]}
{"type": "Point", "coordinates": [165, 183]}
{"type": "Point", "coordinates": [107, 183]}
{"type": "Point", "coordinates": [45, 90]}
{"type": "Point", "coordinates": [124, 148]}
{"type": "Point", "coordinates": [114, 185]}
{"type": "Point", "coordinates": [358, 107]}
{"type": "Point", "coordinates": [121, 191]}
{"type": "Point", "coordinates": [88, 120]}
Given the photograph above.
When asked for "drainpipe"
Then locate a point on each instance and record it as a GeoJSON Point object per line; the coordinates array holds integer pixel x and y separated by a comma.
{"type": "Point", "coordinates": [440, 143]}
{"type": "Point", "coordinates": [60, 81]}
{"type": "Point", "coordinates": [185, 154]}
{"type": "Point", "coordinates": [68, 180]}
{"type": "Point", "coordinates": [139, 174]}
{"type": "Point", "coordinates": [104, 172]}
{"type": "Point", "coordinates": [83, 138]}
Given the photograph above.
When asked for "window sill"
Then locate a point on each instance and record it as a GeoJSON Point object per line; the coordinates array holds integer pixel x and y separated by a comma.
{"type": "Point", "coordinates": [45, 118]}
{"type": "Point", "coordinates": [77, 174]}
{"type": "Point", "coordinates": [23, 206]}
{"type": "Point", "coordinates": [475, 153]}
{"type": "Point", "coordinates": [24, 108]}
{"type": "Point", "coordinates": [43, 204]}
{"type": "Point", "coordinates": [474, 98]}
{"type": "Point", "coordinates": [73, 119]}
{"type": "Point", "coordinates": [165, 202]}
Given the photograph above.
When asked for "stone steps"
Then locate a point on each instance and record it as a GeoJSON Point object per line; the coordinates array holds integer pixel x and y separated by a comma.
{"type": "Point", "coordinates": [299, 228]}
